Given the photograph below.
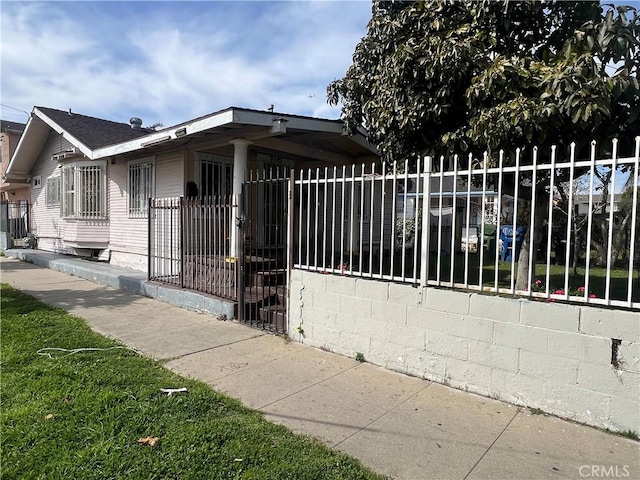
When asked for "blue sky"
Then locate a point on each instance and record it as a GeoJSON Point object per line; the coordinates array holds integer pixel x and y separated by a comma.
{"type": "Point", "coordinates": [169, 62]}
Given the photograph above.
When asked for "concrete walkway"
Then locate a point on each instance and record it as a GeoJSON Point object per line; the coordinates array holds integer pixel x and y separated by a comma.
{"type": "Point", "coordinates": [399, 426]}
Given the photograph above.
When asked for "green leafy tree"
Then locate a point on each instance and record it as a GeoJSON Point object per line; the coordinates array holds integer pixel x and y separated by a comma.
{"type": "Point", "coordinates": [440, 76]}
{"type": "Point", "coordinates": [457, 75]}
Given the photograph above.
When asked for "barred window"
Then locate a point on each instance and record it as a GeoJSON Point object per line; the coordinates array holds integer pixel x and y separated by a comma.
{"type": "Point", "coordinates": [84, 193]}
{"type": "Point", "coordinates": [215, 175]}
{"type": "Point", "coordinates": [140, 187]}
{"type": "Point", "coordinates": [68, 191]}
{"type": "Point", "coordinates": [53, 191]}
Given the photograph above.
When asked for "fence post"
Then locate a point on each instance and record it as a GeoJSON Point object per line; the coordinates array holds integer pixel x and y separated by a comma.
{"type": "Point", "coordinates": [181, 202]}
{"type": "Point", "coordinates": [614, 167]}
{"type": "Point", "coordinates": [149, 241]}
{"type": "Point", "coordinates": [290, 239]}
{"type": "Point", "coordinates": [426, 222]}
{"type": "Point", "coordinates": [27, 205]}
{"type": "Point", "coordinates": [240, 258]}
{"type": "Point", "coordinates": [634, 233]}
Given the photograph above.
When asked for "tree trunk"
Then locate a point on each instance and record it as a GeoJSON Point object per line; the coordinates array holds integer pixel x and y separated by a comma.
{"type": "Point", "coordinates": [601, 253]}
{"type": "Point", "coordinates": [576, 246]}
{"type": "Point", "coordinates": [620, 238]}
{"type": "Point", "coordinates": [522, 275]}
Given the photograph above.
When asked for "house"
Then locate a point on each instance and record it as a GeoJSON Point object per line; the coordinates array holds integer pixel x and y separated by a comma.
{"type": "Point", "coordinates": [421, 313]}
{"type": "Point", "coordinates": [599, 205]}
{"type": "Point", "coordinates": [91, 179]}
{"type": "Point", "coordinates": [10, 133]}
{"type": "Point", "coordinates": [14, 206]}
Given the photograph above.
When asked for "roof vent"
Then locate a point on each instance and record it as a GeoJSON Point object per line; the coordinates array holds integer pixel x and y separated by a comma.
{"type": "Point", "coordinates": [136, 123]}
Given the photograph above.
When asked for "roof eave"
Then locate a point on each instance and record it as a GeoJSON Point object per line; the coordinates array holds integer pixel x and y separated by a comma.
{"type": "Point", "coordinates": [15, 178]}
{"type": "Point", "coordinates": [166, 135]}
{"type": "Point", "coordinates": [225, 117]}
{"type": "Point", "coordinates": [73, 140]}
{"type": "Point", "coordinates": [34, 136]}
{"type": "Point", "coordinates": [15, 160]}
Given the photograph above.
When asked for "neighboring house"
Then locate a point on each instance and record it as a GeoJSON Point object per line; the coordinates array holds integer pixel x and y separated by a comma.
{"type": "Point", "coordinates": [91, 178]}
{"type": "Point", "coordinates": [10, 133]}
{"type": "Point", "coordinates": [581, 203]}
{"type": "Point", "coordinates": [483, 209]}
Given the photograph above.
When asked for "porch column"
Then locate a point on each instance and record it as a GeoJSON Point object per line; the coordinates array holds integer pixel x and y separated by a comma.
{"type": "Point", "coordinates": [240, 149]}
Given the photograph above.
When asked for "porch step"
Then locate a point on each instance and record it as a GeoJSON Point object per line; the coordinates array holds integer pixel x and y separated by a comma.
{"type": "Point", "coordinates": [275, 316]}
{"type": "Point", "coordinates": [268, 278]}
{"type": "Point", "coordinates": [260, 295]}
{"type": "Point", "coordinates": [266, 295]}
{"type": "Point", "coordinates": [282, 293]}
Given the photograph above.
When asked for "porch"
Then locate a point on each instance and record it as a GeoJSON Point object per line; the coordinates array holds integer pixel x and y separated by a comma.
{"type": "Point", "coordinates": [233, 247]}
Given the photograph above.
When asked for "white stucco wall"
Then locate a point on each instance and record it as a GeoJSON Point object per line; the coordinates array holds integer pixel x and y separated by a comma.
{"type": "Point", "coordinates": [545, 355]}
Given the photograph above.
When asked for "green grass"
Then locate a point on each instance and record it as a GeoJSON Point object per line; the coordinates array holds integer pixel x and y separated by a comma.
{"type": "Point", "coordinates": [536, 411]}
{"type": "Point", "coordinates": [597, 276]}
{"type": "Point", "coordinates": [80, 416]}
{"type": "Point", "coordinates": [629, 434]}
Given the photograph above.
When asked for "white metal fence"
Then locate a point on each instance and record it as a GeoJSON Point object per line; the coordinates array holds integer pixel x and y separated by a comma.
{"type": "Point", "coordinates": [553, 224]}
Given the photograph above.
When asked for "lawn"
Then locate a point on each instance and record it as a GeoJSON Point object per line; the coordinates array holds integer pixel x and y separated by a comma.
{"type": "Point", "coordinates": [81, 415]}
{"type": "Point", "coordinates": [619, 283]}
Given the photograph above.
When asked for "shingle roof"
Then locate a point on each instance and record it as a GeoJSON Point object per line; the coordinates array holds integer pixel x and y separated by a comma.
{"type": "Point", "coordinates": [6, 125]}
{"type": "Point", "coordinates": [91, 131]}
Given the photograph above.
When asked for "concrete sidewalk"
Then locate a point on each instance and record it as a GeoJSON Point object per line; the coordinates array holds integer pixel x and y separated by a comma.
{"type": "Point", "coordinates": [400, 426]}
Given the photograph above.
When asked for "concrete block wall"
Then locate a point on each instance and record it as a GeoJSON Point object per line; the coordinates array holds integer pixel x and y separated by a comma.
{"type": "Point", "coordinates": [577, 362]}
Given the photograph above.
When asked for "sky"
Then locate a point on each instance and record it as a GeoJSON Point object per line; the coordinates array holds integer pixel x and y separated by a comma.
{"type": "Point", "coordinates": [169, 62]}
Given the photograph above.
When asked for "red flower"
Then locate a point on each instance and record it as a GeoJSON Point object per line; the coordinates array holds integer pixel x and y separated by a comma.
{"type": "Point", "coordinates": [581, 289]}
{"type": "Point", "coordinates": [559, 292]}
{"type": "Point", "coordinates": [592, 295]}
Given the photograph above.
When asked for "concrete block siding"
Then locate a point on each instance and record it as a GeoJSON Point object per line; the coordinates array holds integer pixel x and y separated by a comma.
{"type": "Point", "coordinates": [577, 362]}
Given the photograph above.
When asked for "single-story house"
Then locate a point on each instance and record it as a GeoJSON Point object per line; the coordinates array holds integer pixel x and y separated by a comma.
{"type": "Point", "coordinates": [91, 178]}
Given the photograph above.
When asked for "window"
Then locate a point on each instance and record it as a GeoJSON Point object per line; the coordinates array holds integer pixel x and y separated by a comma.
{"type": "Point", "coordinates": [274, 202]}
{"type": "Point", "coordinates": [140, 187]}
{"type": "Point", "coordinates": [53, 191]}
{"type": "Point", "coordinates": [37, 181]}
{"type": "Point", "coordinates": [490, 215]}
{"type": "Point", "coordinates": [84, 190]}
{"type": "Point", "coordinates": [215, 176]}
{"type": "Point", "coordinates": [68, 191]}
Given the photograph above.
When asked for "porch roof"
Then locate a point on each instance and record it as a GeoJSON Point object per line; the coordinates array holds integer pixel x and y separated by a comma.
{"type": "Point", "coordinates": [300, 136]}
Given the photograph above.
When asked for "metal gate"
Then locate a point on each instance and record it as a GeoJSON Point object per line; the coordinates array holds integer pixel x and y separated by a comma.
{"type": "Point", "coordinates": [265, 238]}
{"type": "Point", "coordinates": [14, 223]}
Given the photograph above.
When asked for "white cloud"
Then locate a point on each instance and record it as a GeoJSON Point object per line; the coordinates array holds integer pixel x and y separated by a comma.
{"type": "Point", "coordinates": [170, 62]}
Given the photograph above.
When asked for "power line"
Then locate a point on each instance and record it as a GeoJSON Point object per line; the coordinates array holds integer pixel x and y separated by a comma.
{"type": "Point", "coordinates": [16, 109]}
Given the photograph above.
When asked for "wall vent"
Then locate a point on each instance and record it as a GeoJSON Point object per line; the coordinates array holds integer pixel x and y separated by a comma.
{"type": "Point", "coordinates": [68, 153]}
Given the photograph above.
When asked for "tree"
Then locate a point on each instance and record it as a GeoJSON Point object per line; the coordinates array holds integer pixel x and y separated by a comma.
{"type": "Point", "coordinates": [460, 75]}
{"type": "Point", "coordinates": [439, 76]}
